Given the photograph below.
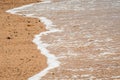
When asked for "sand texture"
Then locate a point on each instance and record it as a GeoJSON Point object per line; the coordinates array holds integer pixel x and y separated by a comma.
{"type": "Point", "coordinates": [19, 57]}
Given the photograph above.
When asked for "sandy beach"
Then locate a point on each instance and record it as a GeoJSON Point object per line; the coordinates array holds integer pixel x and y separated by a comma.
{"type": "Point", "coordinates": [80, 40]}
{"type": "Point", "coordinates": [19, 57]}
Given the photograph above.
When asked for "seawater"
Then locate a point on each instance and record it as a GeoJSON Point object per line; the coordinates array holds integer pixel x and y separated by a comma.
{"type": "Point", "coordinates": [81, 41]}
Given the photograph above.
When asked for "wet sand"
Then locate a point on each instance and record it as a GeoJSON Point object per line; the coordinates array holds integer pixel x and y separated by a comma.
{"type": "Point", "coordinates": [19, 57]}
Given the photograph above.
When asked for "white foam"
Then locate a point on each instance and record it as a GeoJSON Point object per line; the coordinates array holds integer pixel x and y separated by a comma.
{"type": "Point", "coordinates": [48, 23]}
{"type": "Point", "coordinates": [85, 75]}
{"type": "Point", "coordinates": [108, 39]}
{"type": "Point", "coordinates": [46, 1]}
{"type": "Point", "coordinates": [106, 53]}
{"type": "Point", "coordinates": [115, 77]}
{"type": "Point", "coordinates": [15, 10]}
{"type": "Point", "coordinates": [51, 59]}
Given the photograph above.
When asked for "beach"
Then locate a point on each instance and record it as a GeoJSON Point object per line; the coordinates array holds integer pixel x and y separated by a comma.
{"type": "Point", "coordinates": [61, 40]}
{"type": "Point", "coordinates": [19, 57]}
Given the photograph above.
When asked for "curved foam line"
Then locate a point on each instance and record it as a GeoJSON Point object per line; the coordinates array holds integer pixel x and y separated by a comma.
{"type": "Point", "coordinates": [51, 59]}
{"type": "Point", "coordinates": [15, 10]}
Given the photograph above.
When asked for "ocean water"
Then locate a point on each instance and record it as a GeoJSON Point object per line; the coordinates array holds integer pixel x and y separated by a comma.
{"type": "Point", "coordinates": [81, 41]}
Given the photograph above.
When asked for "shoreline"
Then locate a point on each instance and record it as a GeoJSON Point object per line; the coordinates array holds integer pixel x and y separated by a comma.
{"type": "Point", "coordinates": [51, 59]}
{"type": "Point", "coordinates": [19, 57]}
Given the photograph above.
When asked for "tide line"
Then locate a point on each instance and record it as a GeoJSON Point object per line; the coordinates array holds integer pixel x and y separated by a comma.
{"type": "Point", "coordinates": [52, 60]}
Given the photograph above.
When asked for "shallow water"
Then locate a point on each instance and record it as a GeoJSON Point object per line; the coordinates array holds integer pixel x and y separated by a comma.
{"type": "Point", "coordinates": [88, 44]}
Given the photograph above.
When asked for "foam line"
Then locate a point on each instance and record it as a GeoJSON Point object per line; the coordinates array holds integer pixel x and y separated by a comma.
{"type": "Point", "coordinates": [47, 1]}
{"type": "Point", "coordinates": [52, 60]}
{"type": "Point", "coordinates": [15, 10]}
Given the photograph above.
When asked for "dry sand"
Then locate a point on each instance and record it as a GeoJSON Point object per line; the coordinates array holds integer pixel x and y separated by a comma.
{"type": "Point", "coordinates": [19, 57]}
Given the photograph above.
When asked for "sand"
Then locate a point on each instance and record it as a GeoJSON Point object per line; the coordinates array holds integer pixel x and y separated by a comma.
{"type": "Point", "coordinates": [19, 57]}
